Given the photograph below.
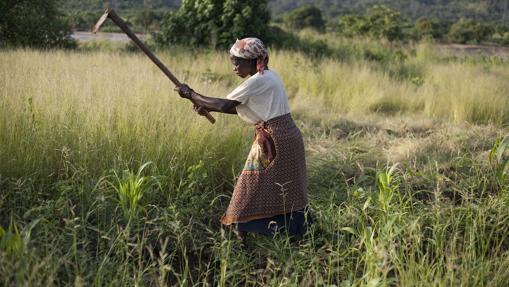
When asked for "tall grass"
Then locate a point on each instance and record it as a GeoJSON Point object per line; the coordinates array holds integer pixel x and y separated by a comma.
{"type": "Point", "coordinates": [402, 188]}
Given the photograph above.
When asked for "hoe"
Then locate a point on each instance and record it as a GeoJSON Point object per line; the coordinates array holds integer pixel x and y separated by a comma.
{"type": "Point", "coordinates": [110, 13]}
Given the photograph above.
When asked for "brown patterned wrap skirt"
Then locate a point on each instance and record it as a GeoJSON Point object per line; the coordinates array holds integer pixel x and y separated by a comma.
{"type": "Point", "coordinates": [273, 180]}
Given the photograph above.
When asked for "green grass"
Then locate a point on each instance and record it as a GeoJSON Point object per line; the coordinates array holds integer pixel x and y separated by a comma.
{"type": "Point", "coordinates": [108, 178]}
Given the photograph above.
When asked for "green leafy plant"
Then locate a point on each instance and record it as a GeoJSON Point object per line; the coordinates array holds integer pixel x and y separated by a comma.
{"type": "Point", "coordinates": [498, 159]}
{"type": "Point", "coordinates": [11, 241]}
{"type": "Point", "coordinates": [197, 175]}
{"type": "Point", "coordinates": [387, 185]}
{"type": "Point", "coordinates": [130, 188]}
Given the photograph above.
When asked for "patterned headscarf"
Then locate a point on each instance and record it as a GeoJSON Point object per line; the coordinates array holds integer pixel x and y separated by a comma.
{"type": "Point", "coordinates": [251, 48]}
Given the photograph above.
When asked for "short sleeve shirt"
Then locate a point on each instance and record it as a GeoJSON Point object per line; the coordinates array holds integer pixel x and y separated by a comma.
{"type": "Point", "coordinates": [262, 97]}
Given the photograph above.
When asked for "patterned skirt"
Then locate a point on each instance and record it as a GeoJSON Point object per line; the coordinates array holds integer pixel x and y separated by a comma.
{"type": "Point", "coordinates": [273, 181]}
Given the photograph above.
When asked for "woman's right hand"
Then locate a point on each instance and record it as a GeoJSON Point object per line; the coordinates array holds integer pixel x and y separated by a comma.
{"type": "Point", "coordinates": [184, 91]}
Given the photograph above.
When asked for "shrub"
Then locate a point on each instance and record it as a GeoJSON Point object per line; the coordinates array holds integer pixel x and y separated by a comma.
{"type": "Point", "coordinates": [378, 22]}
{"type": "Point", "coordinates": [500, 35]}
{"type": "Point", "coordinates": [80, 20]}
{"type": "Point", "coordinates": [305, 17]}
{"type": "Point", "coordinates": [466, 31]}
{"type": "Point", "coordinates": [33, 23]}
{"type": "Point", "coordinates": [429, 28]}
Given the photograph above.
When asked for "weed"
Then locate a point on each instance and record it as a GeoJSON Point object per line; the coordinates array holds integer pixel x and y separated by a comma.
{"type": "Point", "coordinates": [130, 188]}
{"type": "Point", "coordinates": [499, 159]}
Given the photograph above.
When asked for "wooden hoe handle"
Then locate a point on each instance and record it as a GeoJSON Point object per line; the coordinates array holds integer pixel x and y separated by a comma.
{"type": "Point", "coordinates": [110, 13]}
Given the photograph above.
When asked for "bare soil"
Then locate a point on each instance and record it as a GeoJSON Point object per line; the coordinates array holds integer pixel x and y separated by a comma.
{"type": "Point", "coordinates": [114, 37]}
{"type": "Point", "coordinates": [485, 50]}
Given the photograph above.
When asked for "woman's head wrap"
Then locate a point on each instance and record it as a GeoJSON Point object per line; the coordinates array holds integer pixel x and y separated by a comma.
{"type": "Point", "coordinates": [251, 48]}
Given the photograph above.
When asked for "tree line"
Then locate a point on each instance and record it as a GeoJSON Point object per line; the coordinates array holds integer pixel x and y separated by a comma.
{"type": "Point", "coordinates": [214, 23]}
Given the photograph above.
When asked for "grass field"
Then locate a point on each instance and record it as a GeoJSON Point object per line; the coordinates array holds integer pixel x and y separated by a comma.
{"type": "Point", "coordinates": [107, 177]}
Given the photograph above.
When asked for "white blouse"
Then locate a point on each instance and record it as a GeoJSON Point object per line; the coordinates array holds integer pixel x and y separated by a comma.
{"type": "Point", "coordinates": [261, 97]}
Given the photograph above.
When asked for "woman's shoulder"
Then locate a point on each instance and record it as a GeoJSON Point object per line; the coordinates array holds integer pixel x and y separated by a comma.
{"type": "Point", "coordinates": [268, 77]}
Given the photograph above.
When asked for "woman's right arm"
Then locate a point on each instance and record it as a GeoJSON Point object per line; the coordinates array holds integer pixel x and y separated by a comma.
{"type": "Point", "coordinates": [208, 103]}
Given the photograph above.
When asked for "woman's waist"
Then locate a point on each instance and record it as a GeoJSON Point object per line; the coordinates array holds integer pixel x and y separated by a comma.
{"type": "Point", "coordinates": [282, 121]}
{"type": "Point", "coordinates": [279, 128]}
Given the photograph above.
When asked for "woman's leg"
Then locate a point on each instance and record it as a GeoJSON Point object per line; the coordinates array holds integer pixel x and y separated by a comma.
{"type": "Point", "coordinates": [241, 235]}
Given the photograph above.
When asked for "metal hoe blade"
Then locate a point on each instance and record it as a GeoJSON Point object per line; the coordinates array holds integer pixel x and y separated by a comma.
{"type": "Point", "coordinates": [101, 21]}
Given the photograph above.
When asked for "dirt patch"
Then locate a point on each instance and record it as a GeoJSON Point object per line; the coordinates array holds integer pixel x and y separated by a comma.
{"type": "Point", "coordinates": [483, 50]}
{"type": "Point", "coordinates": [114, 37]}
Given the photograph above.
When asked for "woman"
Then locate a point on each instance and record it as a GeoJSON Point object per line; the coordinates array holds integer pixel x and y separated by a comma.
{"type": "Point", "coordinates": [270, 195]}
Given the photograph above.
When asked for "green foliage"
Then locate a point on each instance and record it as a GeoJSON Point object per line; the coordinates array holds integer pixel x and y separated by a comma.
{"type": "Point", "coordinates": [501, 35]}
{"type": "Point", "coordinates": [444, 10]}
{"type": "Point", "coordinates": [130, 188]}
{"type": "Point", "coordinates": [499, 160]}
{"type": "Point", "coordinates": [429, 28]}
{"type": "Point", "coordinates": [82, 20]}
{"type": "Point", "coordinates": [147, 19]}
{"type": "Point", "coordinates": [468, 31]}
{"type": "Point", "coordinates": [384, 22]}
{"type": "Point", "coordinates": [305, 17]}
{"type": "Point", "coordinates": [33, 23]}
{"type": "Point", "coordinates": [486, 11]}
{"type": "Point", "coordinates": [378, 22]}
{"type": "Point", "coordinates": [387, 23]}
{"type": "Point", "coordinates": [197, 176]}
{"type": "Point", "coordinates": [214, 23]}
{"type": "Point", "coordinates": [141, 20]}
{"type": "Point", "coordinates": [387, 187]}
{"type": "Point", "coordinates": [11, 241]}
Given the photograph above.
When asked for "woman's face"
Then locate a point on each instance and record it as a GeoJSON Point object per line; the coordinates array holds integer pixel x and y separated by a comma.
{"type": "Point", "coordinates": [243, 67]}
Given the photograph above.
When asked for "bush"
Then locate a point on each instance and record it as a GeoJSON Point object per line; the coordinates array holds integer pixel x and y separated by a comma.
{"type": "Point", "coordinates": [501, 38]}
{"type": "Point", "coordinates": [305, 17]}
{"type": "Point", "coordinates": [146, 19]}
{"type": "Point", "coordinates": [33, 23]}
{"type": "Point", "coordinates": [82, 21]}
{"type": "Point", "coordinates": [467, 31]}
{"type": "Point", "coordinates": [429, 28]}
{"type": "Point", "coordinates": [378, 22]}
{"type": "Point", "coordinates": [500, 35]}
{"type": "Point", "coordinates": [214, 23]}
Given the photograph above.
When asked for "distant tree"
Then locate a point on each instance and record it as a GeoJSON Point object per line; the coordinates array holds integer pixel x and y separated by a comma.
{"type": "Point", "coordinates": [351, 25]}
{"type": "Point", "coordinates": [378, 22]}
{"type": "Point", "coordinates": [33, 23]}
{"type": "Point", "coordinates": [243, 18]}
{"type": "Point", "coordinates": [144, 18]}
{"type": "Point", "coordinates": [500, 35]}
{"type": "Point", "coordinates": [81, 20]}
{"type": "Point", "coordinates": [466, 31]}
{"type": "Point", "coordinates": [214, 23]}
{"type": "Point", "coordinates": [385, 22]}
{"type": "Point", "coordinates": [429, 28]}
{"type": "Point", "coordinates": [305, 17]}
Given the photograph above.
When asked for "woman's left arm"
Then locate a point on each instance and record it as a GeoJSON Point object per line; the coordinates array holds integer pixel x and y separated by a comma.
{"type": "Point", "coordinates": [208, 103]}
